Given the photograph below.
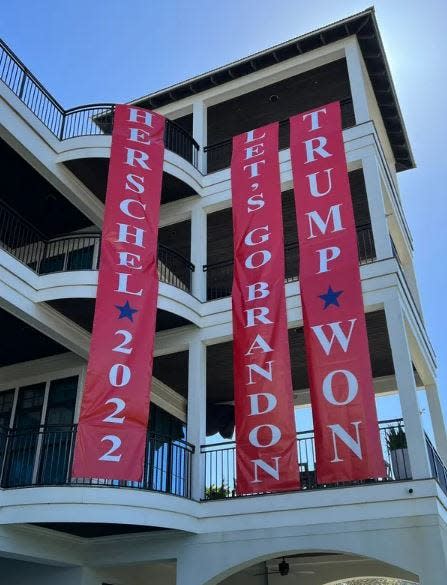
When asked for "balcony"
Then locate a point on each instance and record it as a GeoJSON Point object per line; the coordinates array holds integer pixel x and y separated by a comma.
{"type": "Point", "coordinates": [219, 154]}
{"type": "Point", "coordinates": [87, 120]}
{"type": "Point", "coordinates": [42, 456]}
{"type": "Point", "coordinates": [277, 101]}
{"type": "Point", "coordinates": [220, 274]}
{"type": "Point", "coordinates": [220, 463]}
{"type": "Point", "coordinates": [76, 251]}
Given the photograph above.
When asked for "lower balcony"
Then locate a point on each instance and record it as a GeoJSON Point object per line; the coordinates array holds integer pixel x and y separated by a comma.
{"type": "Point", "coordinates": [42, 456]}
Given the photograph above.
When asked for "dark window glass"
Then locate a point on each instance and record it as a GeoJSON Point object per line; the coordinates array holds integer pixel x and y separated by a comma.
{"type": "Point", "coordinates": [58, 437]}
{"type": "Point", "coordinates": [23, 439]}
{"type": "Point", "coordinates": [29, 406]}
{"type": "Point", "coordinates": [61, 401]}
{"type": "Point", "coordinates": [52, 264]}
{"type": "Point", "coordinates": [164, 424]}
{"type": "Point", "coordinates": [6, 402]}
{"type": "Point", "coordinates": [165, 468]}
{"type": "Point", "coordinates": [81, 259]}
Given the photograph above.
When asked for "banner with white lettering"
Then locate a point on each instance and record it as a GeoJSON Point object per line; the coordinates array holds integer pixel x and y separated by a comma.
{"type": "Point", "coordinates": [266, 450]}
{"type": "Point", "coordinates": [343, 406]}
{"type": "Point", "coordinates": [111, 434]}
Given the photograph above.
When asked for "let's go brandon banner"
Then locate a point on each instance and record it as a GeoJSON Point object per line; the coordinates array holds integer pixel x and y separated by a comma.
{"type": "Point", "coordinates": [111, 435]}
{"type": "Point", "coordinates": [343, 406]}
{"type": "Point", "coordinates": [266, 452]}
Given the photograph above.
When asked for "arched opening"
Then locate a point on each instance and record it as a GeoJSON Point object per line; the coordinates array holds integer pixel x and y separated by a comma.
{"type": "Point", "coordinates": [318, 568]}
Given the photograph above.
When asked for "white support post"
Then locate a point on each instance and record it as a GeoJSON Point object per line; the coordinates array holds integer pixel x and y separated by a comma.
{"type": "Point", "coordinates": [199, 251]}
{"type": "Point", "coordinates": [196, 417]}
{"type": "Point", "coordinates": [357, 82]}
{"type": "Point", "coordinates": [437, 420]}
{"type": "Point", "coordinates": [403, 368]}
{"type": "Point", "coordinates": [200, 131]}
{"type": "Point", "coordinates": [376, 204]}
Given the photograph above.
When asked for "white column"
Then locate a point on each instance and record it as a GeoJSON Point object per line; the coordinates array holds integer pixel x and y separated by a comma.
{"type": "Point", "coordinates": [200, 131]}
{"type": "Point", "coordinates": [376, 204]}
{"type": "Point", "coordinates": [357, 82]}
{"type": "Point", "coordinates": [198, 251]}
{"type": "Point", "coordinates": [406, 386]}
{"type": "Point", "coordinates": [196, 417]}
{"type": "Point", "coordinates": [437, 420]}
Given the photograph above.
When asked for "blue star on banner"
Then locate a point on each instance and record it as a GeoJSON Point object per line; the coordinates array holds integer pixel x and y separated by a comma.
{"type": "Point", "coordinates": [331, 297]}
{"type": "Point", "coordinates": [126, 311]}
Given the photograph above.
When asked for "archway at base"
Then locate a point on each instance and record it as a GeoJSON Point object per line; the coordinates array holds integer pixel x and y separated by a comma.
{"type": "Point", "coordinates": [318, 568]}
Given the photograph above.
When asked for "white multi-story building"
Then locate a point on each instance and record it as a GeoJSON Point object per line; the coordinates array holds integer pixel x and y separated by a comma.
{"type": "Point", "coordinates": [183, 525]}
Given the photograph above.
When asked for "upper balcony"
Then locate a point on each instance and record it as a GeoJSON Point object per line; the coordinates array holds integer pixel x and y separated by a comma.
{"type": "Point", "coordinates": [76, 251]}
{"type": "Point", "coordinates": [86, 120]}
{"type": "Point", "coordinates": [276, 102]}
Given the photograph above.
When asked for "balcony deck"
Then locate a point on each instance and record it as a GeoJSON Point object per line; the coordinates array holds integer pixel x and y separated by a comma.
{"type": "Point", "coordinates": [86, 120]}
{"type": "Point", "coordinates": [42, 456]}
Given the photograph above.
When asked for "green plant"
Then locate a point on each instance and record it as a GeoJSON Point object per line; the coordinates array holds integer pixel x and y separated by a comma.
{"type": "Point", "coordinates": [214, 492]}
{"type": "Point", "coordinates": [396, 438]}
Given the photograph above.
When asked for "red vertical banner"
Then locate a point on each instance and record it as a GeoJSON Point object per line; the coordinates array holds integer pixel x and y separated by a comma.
{"type": "Point", "coordinates": [346, 430]}
{"type": "Point", "coordinates": [111, 435]}
{"type": "Point", "coordinates": [266, 449]}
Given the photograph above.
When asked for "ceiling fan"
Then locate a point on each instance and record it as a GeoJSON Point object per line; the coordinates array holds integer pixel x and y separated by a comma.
{"type": "Point", "coordinates": [283, 570]}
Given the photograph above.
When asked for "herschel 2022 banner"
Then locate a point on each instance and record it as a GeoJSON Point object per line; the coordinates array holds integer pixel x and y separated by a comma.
{"type": "Point", "coordinates": [343, 407]}
{"type": "Point", "coordinates": [111, 435]}
{"type": "Point", "coordinates": [266, 450]}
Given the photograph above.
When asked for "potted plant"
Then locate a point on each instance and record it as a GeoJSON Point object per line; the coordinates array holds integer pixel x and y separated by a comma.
{"type": "Point", "coordinates": [397, 446]}
{"type": "Point", "coordinates": [214, 492]}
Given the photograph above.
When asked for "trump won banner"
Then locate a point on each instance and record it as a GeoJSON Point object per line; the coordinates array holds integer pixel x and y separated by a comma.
{"type": "Point", "coordinates": [343, 406]}
{"type": "Point", "coordinates": [266, 450]}
{"type": "Point", "coordinates": [111, 434]}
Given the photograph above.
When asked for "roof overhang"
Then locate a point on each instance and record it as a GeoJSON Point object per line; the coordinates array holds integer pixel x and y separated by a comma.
{"type": "Point", "coordinates": [363, 25]}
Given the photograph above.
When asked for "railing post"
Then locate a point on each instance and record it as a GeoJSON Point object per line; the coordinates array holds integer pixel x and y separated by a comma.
{"type": "Point", "coordinates": [22, 84]}
{"type": "Point", "coordinates": [61, 132]}
{"type": "Point", "coordinates": [196, 421]}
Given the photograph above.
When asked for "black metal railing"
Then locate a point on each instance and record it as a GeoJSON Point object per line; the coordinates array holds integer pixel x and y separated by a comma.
{"type": "Point", "coordinates": [29, 90]}
{"type": "Point", "coordinates": [219, 279]}
{"type": "Point", "coordinates": [179, 141]}
{"type": "Point", "coordinates": [218, 155]}
{"type": "Point", "coordinates": [76, 251]}
{"type": "Point", "coordinates": [43, 455]}
{"type": "Point", "coordinates": [438, 467]}
{"type": "Point", "coordinates": [86, 120]}
{"type": "Point", "coordinates": [220, 463]}
{"type": "Point", "coordinates": [174, 269]}
{"type": "Point", "coordinates": [220, 274]}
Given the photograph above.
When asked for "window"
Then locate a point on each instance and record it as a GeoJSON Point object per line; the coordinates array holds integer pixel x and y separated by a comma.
{"type": "Point", "coordinates": [22, 441]}
{"type": "Point", "coordinates": [58, 438]}
{"type": "Point", "coordinates": [40, 438]}
{"type": "Point", "coordinates": [81, 259]}
{"type": "Point", "coordinates": [165, 464]}
{"type": "Point", "coordinates": [6, 403]}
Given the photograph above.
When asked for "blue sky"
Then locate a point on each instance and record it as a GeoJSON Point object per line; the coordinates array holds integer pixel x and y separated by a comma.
{"type": "Point", "coordinates": [114, 51]}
